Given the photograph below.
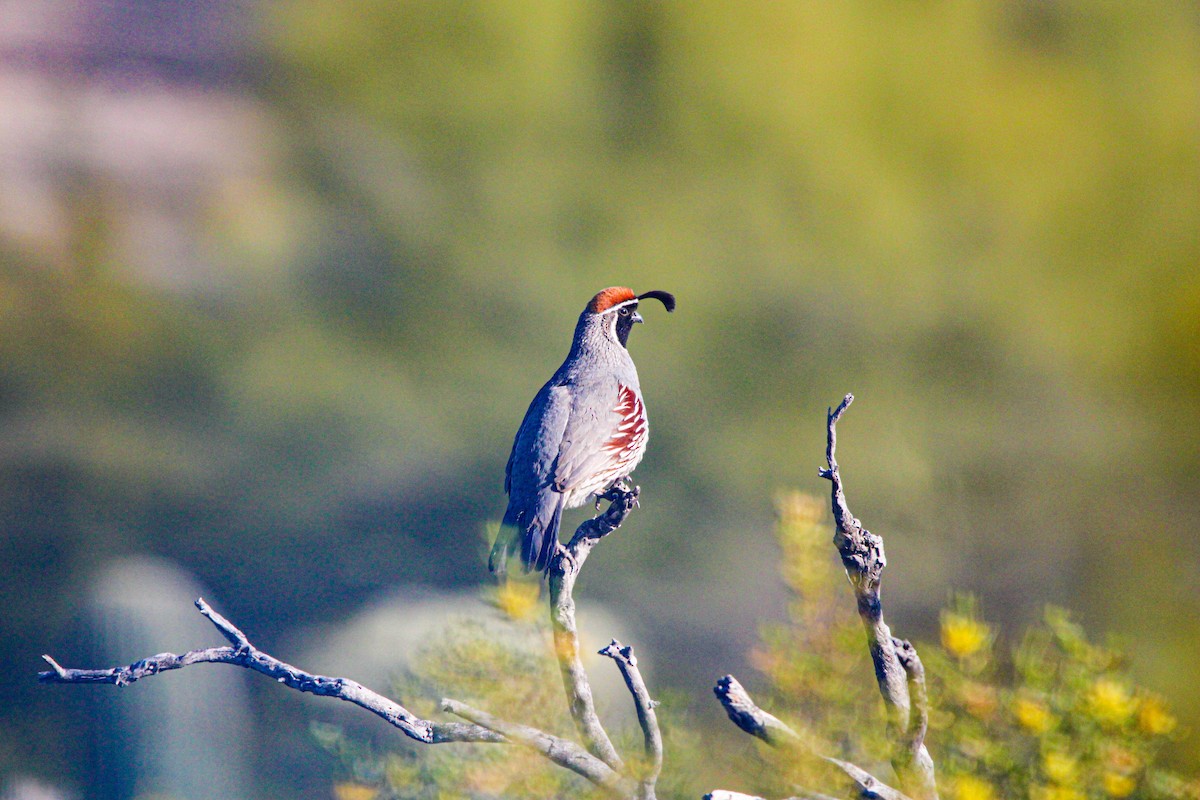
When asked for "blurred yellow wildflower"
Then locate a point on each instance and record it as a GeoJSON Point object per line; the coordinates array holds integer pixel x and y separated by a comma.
{"type": "Point", "coordinates": [354, 791]}
{"type": "Point", "coordinates": [1060, 767]}
{"type": "Point", "coordinates": [962, 635]}
{"type": "Point", "coordinates": [1109, 702]}
{"type": "Point", "coordinates": [1153, 716]}
{"type": "Point", "coordinates": [1033, 715]}
{"type": "Point", "coordinates": [968, 787]}
{"type": "Point", "coordinates": [518, 599]}
{"type": "Point", "coordinates": [1118, 785]}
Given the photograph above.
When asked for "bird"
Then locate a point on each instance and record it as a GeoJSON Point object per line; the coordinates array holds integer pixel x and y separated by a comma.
{"type": "Point", "coordinates": [584, 432]}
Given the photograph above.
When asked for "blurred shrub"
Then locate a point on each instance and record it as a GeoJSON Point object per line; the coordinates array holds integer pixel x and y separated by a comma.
{"type": "Point", "coordinates": [504, 665]}
{"type": "Point", "coordinates": [1058, 718]}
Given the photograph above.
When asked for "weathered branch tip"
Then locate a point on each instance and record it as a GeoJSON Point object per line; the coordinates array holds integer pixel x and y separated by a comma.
{"type": "Point", "coordinates": [835, 415]}
{"type": "Point", "coordinates": [58, 668]}
{"type": "Point", "coordinates": [231, 632]}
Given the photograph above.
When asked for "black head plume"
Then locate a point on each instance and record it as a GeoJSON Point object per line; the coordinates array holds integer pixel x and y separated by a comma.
{"type": "Point", "coordinates": [666, 298]}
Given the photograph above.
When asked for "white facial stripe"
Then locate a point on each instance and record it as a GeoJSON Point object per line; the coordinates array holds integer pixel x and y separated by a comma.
{"type": "Point", "coordinates": [611, 309]}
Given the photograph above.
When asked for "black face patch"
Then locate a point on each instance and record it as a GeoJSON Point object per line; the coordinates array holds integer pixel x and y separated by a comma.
{"type": "Point", "coordinates": [625, 323]}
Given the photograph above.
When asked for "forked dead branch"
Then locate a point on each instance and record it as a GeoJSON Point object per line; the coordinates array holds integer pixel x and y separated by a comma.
{"type": "Point", "coordinates": [596, 761]}
{"type": "Point", "coordinates": [898, 671]}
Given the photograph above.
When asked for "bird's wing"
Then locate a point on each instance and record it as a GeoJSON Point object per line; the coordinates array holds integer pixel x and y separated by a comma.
{"type": "Point", "coordinates": [538, 439]}
{"type": "Point", "coordinates": [600, 447]}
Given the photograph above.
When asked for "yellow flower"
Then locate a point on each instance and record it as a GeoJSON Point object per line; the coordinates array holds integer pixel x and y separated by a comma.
{"type": "Point", "coordinates": [354, 791]}
{"type": "Point", "coordinates": [968, 787]}
{"type": "Point", "coordinates": [1118, 785]}
{"type": "Point", "coordinates": [518, 599]}
{"type": "Point", "coordinates": [1033, 715]}
{"type": "Point", "coordinates": [963, 636]}
{"type": "Point", "coordinates": [1153, 717]}
{"type": "Point", "coordinates": [1060, 767]}
{"type": "Point", "coordinates": [1109, 702]}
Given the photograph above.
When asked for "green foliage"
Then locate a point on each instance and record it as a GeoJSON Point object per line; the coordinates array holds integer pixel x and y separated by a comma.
{"type": "Point", "coordinates": [503, 663]}
{"type": "Point", "coordinates": [504, 666]}
{"type": "Point", "coordinates": [989, 203]}
{"type": "Point", "coordinates": [1060, 718]}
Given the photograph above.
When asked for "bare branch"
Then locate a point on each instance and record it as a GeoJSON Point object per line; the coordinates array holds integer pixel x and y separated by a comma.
{"type": "Point", "coordinates": [746, 714]}
{"type": "Point", "coordinates": [564, 569]}
{"type": "Point", "coordinates": [647, 718]}
{"type": "Point", "coordinates": [721, 794]}
{"type": "Point", "coordinates": [863, 557]}
{"type": "Point", "coordinates": [563, 752]}
{"type": "Point", "coordinates": [602, 765]}
{"type": "Point", "coordinates": [244, 654]}
{"type": "Point", "coordinates": [918, 720]}
{"type": "Point", "coordinates": [752, 719]}
{"type": "Point", "coordinates": [920, 762]}
{"type": "Point", "coordinates": [227, 628]}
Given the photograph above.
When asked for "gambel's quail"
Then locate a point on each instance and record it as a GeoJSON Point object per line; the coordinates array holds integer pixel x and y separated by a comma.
{"type": "Point", "coordinates": [584, 432]}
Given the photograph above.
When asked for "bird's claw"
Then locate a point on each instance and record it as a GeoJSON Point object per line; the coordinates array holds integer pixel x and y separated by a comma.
{"type": "Point", "coordinates": [563, 553]}
{"type": "Point", "coordinates": [621, 492]}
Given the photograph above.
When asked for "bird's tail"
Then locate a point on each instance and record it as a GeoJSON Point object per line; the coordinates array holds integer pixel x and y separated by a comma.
{"type": "Point", "coordinates": [534, 534]}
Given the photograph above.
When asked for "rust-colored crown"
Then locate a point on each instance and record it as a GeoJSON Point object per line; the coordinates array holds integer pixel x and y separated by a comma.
{"type": "Point", "coordinates": [609, 298]}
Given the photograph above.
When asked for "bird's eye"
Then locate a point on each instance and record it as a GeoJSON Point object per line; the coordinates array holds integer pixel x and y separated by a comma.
{"type": "Point", "coordinates": [624, 312]}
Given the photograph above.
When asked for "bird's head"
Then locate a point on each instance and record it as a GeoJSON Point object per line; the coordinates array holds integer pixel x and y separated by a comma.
{"type": "Point", "coordinates": [615, 309]}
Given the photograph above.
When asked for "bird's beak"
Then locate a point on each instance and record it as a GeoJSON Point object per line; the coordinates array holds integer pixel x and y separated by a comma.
{"type": "Point", "coordinates": [637, 317]}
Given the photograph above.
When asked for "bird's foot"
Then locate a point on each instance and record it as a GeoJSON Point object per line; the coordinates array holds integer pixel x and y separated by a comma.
{"type": "Point", "coordinates": [563, 553]}
{"type": "Point", "coordinates": [619, 488]}
{"type": "Point", "coordinates": [621, 493]}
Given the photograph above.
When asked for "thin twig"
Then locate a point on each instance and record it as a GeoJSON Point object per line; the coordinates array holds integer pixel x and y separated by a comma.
{"type": "Point", "coordinates": [921, 762]}
{"type": "Point", "coordinates": [602, 765]}
{"type": "Point", "coordinates": [863, 557]}
{"type": "Point", "coordinates": [244, 654]}
{"type": "Point", "coordinates": [746, 714]}
{"type": "Point", "coordinates": [563, 752]}
{"type": "Point", "coordinates": [722, 794]}
{"type": "Point", "coordinates": [564, 569]}
{"type": "Point", "coordinates": [918, 720]}
{"type": "Point", "coordinates": [752, 719]}
{"type": "Point", "coordinates": [647, 718]}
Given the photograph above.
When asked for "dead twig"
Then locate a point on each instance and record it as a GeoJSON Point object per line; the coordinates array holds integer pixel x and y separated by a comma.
{"type": "Point", "coordinates": [863, 557]}
{"type": "Point", "coordinates": [598, 762]}
{"type": "Point", "coordinates": [647, 718]}
{"type": "Point", "coordinates": [564, 569]}
{"type": "Point", "coordinates": [752, 719]}
{"type": "Point", "coordinates": [243, 654]}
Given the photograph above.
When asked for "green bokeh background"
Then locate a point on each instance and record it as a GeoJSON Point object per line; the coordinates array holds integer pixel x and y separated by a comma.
{"type": "Point", "coordinates": [981, 218]}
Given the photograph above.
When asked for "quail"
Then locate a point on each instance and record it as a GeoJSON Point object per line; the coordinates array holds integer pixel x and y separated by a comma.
{"type": "Point", "coordinates": [584, 432]}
